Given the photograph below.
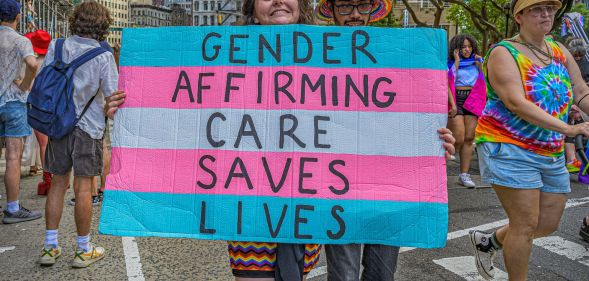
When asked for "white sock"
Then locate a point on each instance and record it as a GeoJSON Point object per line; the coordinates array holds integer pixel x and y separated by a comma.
{"type": "Point", "coordinates": [84, 242]}
{"type": "Point", "coordinates": [13, 207]}
{"type": "Point", "coordinates": [51, 238]}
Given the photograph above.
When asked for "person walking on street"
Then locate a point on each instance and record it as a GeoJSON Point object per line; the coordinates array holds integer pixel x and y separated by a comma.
{"type": "Point", "coordinates": [521, 135]}
{"type": "Point", "coordinates": [467, 100]}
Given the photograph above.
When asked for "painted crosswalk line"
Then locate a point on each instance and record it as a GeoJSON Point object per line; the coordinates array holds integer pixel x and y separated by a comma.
{"type": "Point", "coordinates": [563, 247]}
{"type": "Point", "coordinates": [466, 269]}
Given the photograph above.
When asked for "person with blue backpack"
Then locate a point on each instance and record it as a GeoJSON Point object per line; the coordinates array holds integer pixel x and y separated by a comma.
{"type": "Point", "coordinates": [16, 52]}
{"type": "Point", "coordinates": [67, 104]}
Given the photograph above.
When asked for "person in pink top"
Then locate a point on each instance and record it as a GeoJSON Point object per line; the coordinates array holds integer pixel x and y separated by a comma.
{"type": "Point", "coordinates": [466, 98]}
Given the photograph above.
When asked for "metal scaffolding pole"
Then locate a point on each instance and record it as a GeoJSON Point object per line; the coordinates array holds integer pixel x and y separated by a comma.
{"type": "Point", "coordinates": [49, 15]}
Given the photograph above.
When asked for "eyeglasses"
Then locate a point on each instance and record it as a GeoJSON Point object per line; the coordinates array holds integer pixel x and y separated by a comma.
{"type": "Point", "coordinates": [348, 9]}
{"type": "Point", "coordinates": [540, 10]}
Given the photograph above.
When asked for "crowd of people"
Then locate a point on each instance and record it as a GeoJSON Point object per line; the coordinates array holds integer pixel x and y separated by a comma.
{"type": "Point", "coordinates": [516, 106]}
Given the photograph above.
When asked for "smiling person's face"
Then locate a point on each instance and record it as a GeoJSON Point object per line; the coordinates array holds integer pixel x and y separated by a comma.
{"type": "Point", "coordinates": [351, 12]}
{"type": "Point", "coordinates": [270, 12]}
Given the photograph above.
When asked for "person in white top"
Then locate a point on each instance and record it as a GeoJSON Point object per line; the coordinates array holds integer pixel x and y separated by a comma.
{"type": "Point", "coordinates": [15, 51]}
{"type": "Point", "coordinates": [81, 149]}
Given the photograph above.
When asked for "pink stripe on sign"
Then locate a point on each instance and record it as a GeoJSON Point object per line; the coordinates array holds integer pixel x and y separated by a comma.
{"type": "Point", "coordinates": [369, 177]}
{"type": "Point", "coordinates": [415, 90]}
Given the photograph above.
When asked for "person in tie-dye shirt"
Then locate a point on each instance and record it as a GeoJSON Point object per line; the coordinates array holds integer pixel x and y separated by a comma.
{"type": "Point", "coordinates": [520, 135]}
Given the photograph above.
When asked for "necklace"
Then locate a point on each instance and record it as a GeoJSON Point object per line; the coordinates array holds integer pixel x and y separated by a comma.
{"type": "Point", "coordinates": [535, 49]}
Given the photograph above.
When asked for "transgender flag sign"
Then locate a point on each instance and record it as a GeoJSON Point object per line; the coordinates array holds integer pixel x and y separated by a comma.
{"type": "Point", "coordinates": [298, 134]}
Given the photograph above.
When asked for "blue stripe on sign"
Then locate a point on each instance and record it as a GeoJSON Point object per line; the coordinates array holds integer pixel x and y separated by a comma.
{"type": "Point", "coordinates": [404, 134]}
{"type": "Point", "coordinates": [410, 224]}
{"type": "Point", "coordinates": [421, 48]}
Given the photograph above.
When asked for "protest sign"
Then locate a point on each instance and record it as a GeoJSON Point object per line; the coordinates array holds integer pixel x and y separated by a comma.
{"type": "Point", "coordinates": [298, 134]}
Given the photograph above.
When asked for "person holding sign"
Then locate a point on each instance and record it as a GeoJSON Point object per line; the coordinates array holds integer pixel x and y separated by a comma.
{"type": "Point", "coordinates": [468, 90]}
{"type": "Point", "coordinates": [521, 135]}
{"type": "Point", "coordinates": [379, 261]}
{"type": "Point", "coordinates": [338, 116]}
{"type": "Point", "coordinates": [273, 261]}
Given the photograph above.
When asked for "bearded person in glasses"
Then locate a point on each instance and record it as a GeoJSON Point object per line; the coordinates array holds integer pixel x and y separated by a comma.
{"type": "Point", "coordinates": [520, 135]}
{"type": "Point", "coordinates": [343, 261]}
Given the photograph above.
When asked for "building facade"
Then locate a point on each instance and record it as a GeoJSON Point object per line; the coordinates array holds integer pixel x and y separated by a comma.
{"type": "Point", "coordinates": [119, 11]}
{"type": "Point", "coordinates": [150, 16]}
{"type": "Point", "coordinates": [217, 12]}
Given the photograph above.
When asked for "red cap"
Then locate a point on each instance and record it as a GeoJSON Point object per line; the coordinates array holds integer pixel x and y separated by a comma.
{"type": "Point", "coordinates": [40, 39]}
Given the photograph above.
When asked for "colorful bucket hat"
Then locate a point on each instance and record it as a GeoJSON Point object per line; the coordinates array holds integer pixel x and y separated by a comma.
{"type": "Point", "coordinates": [380, 9]}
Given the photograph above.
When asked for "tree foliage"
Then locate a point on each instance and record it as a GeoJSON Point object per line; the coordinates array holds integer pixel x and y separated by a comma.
{"type": "Point", "coordinates": [490, 20]}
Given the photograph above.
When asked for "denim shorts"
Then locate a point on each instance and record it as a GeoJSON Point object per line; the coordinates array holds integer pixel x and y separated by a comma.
{"type": "Point", "coordinates": [13, 120]}
{"type": "Point", "coordinates": [511, 166]}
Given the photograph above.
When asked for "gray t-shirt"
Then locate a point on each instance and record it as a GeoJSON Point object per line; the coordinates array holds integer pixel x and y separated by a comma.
{"type": "Point", "coordinates": [14, 48]}
{"type": "Point", "coordinates": [98, 75]}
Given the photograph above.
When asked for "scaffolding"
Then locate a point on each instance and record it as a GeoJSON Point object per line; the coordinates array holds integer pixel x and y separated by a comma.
{"type": "Point", "coordinates": [49, 15]}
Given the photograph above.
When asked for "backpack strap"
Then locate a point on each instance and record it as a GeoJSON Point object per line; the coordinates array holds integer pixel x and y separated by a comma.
{"type": "Point", "coordinates": [86, 57]}
{"type": "Point", "coordinates": [88, 104]}
{"type": "Point", "coordinates": [59, 50]}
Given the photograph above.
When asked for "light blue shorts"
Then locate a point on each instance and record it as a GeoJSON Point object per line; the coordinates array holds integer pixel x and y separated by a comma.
{"type": "Point", "coordinates": [511, 166]}
{"type": "Point", "coordinates": [13, 120]}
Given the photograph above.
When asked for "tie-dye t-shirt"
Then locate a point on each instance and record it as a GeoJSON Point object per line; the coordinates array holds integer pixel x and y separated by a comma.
{"type": "Point", "coordinates": [547, 87]}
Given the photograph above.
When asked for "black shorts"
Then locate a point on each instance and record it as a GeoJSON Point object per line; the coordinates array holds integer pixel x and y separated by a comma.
{"type": "Point", "coordinates": [78, 150]}
{"type": "Point", "coordinates": [461, 96]}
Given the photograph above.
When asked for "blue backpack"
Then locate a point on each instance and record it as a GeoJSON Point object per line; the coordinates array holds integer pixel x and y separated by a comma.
{"type": "Point", "coordinates": [50, 105]}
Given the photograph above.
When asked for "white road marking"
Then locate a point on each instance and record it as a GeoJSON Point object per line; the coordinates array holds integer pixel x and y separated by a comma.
{"type": "Point", "coordinates": [317, 272]}
{"type": "Point", "coordinates": [466, 268]}
{"type": "Point", "coordinates": [6, 249]}
{"type": "Point", "coordinates": [132, 260]}
{"type": "Point", "coordinates": [563, 247]}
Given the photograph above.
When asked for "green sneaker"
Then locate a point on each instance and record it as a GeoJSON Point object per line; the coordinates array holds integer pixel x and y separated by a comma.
{"type": "Point", "coordinates": [49, 256]}
{"type": "Point", "coordinates": [84, 259]}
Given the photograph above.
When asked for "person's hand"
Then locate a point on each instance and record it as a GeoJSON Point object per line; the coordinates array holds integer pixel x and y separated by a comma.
{"type": "Point", "coordinates": [456, 54]}
{"type": "Point", "coordinates": [575, 113]}
{"type": "Point", "coordinates": [113, 102]}
{"type": "Point", "coordinates": [446, 135]}
{"type": "Point", "coordinates": [453, 111]}
{"type": "Point", "coordinates": [578, 129]}
{"type": "Point", "coordinates": [477, 57]}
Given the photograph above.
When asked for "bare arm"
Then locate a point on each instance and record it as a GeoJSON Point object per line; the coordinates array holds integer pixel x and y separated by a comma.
{"type": "Point", "coordinates": [505, 80]}
{"type": "Point", "coordinates": [30, 71]}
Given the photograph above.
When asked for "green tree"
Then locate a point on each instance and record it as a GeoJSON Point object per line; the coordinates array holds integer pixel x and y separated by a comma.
{"type": "Point", "coordinates": [490, 20]}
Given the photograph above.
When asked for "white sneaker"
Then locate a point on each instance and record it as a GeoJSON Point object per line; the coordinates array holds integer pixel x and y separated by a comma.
{"type": "Point", "coordinates": [452, 157]}
{"type": "Point", "coordinates": [465, 180]}
{"type": "Point", "coordinates": [484, 253]}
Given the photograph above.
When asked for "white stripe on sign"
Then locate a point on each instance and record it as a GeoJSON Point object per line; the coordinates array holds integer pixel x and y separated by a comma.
{"type": "Point", "coordinates": [132, 260]}
{"type": "Point", "coordinates": [6, 249]}
{"type": "Point", "coordinates": [466, 268]}
{"type": "Point", "coordinates": [563, 247]}
{"type": "Point", "coordinates": [347, 132]}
